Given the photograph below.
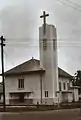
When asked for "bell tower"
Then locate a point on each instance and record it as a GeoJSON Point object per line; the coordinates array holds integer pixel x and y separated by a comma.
{"type": "Point", "coordinates": [48, 58]}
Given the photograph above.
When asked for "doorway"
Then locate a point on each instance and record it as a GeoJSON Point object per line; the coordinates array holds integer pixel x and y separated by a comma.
{"type": "Point", "coordinates": [21, 97]}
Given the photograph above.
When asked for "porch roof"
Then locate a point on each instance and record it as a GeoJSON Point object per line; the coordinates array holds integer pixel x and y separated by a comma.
{"type": "Point", "coordinates": [74, 87]}
{"type": "Point", "coordinates": [66, 91]}
{"type": "Point", "coordinates": [19, 92]}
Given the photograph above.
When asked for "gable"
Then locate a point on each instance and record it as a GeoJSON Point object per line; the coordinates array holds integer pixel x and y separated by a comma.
{"type": "Point", "coordinates": [32, 65]}
{"type": "Point", "coordinates": [62, 73]}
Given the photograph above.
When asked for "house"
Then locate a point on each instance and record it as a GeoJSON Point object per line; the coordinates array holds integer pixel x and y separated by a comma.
{"type": "Point", "coordinates": [24, 84]}
{"type": "Point", "coordinates": [67, 92]}
{"type": "Point", "coordinates": [40, 81]}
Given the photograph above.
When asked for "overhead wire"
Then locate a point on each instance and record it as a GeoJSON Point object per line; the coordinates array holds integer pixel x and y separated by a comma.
{"type": "Point", "coordinates": [73, 3]}
{"type": "Point", "coordinates": [28, 40]}
{"type": "Point", "coordinates": [36, 39]}
{"type": "Point", "coordinates": [37, 45]}
{"type": "Point", "coordinates": [69, 5]}
{"type": "Point", "coordinates": [31, 43]}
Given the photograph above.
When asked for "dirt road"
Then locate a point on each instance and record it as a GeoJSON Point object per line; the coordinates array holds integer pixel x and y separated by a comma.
{"type": "Point", "coordinates": [73, 114]}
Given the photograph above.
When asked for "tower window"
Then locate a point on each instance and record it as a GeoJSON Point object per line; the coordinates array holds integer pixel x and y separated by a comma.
{"type": "Point", "coordinates": [20, 83]}
{"type": "Point", "coordinates": [68, 86]}
{"type": "Point", "coordinates": [46, 93]}
{"type": "Point", "coordinates": [54, 44]}
{"type": "Point", "coordinates": [44, 44]}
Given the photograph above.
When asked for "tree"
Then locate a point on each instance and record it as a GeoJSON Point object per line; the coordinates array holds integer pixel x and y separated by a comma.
{"type": "Point", "coordinates": [77, 79]}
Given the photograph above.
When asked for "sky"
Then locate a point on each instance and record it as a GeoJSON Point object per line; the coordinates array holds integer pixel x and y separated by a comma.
{"type": "Point", "coordinates": [20, 21]}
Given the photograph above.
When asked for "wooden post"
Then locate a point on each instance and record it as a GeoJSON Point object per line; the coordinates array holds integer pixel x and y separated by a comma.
{"type": "Point", "coordinates": [2, 62]}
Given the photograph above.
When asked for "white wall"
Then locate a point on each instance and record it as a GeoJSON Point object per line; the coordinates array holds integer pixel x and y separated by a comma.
{"type": "Point", "coordinates": [70, 97]}
{"type": "Point", "coordinates": [76, 96]}
{"type": "Point", "coordinates": [31, 84]}
{"type": "Point", "coordinates": [1, 100]}
{"type": "Point", "coordinates": [71, 84]}
{"type": "Point", "coordinates": [71, 92]}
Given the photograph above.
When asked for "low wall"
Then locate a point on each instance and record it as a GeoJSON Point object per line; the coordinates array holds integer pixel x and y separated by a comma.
{"type": "Point", "coordinates": [46, 101]}
{"type": "Point", "coordinates": [17, 102]}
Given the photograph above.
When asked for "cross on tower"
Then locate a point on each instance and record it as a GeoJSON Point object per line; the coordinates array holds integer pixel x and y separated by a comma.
{"type": "Point", "coordinates": [44, 20]}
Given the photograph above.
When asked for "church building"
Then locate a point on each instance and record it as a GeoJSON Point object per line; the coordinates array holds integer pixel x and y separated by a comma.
{"type": "Point", "coordinates": [40, 81]}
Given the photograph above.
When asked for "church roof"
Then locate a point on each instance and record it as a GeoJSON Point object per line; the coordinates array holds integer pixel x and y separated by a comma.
{"type": "Point", "coordinates": [29, 66]}
{"type": "Point", "coordinates": [33, 65]}
{"type": "Point", "coordinates": [63, 73]}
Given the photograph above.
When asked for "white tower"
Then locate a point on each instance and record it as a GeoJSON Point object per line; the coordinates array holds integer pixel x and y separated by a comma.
{"type": "Point", "coordinates": [48, 58]}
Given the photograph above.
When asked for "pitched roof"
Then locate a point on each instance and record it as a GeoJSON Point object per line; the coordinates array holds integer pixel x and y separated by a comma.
{"type": "Point", "coordinates": [33, 65]}
{"type": "Point", "coordinates": [63, 73]}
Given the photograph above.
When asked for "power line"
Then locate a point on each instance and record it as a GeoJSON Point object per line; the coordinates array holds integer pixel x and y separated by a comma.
{"type": "Point", "coordinates": [35, 44]}
{"type": "Point", "coordinates": [73, 3]}
{"type": "Point", "coordinates": [60, 45]}
{"type": "Point", "coordinates": [69, 5]}
{"type": "Point", "coordinates": [31, 43]}
{"type": "Point", "coordinates": [34, 40]}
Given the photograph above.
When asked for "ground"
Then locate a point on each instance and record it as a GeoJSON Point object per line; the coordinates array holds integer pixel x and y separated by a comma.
{"type": "Point", "coordinates": [73, 114]}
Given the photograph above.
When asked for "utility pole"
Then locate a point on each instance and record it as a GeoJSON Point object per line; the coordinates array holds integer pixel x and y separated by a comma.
{"type": "Point", "coordinates": [2, 63]}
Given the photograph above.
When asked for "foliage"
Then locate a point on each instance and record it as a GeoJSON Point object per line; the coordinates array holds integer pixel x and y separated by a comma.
{"type": "Point", "coordinates": [77, 79]}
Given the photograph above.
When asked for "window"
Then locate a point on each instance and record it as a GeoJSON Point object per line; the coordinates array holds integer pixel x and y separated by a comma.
{"type": "Point", "coordinates": [10, 94]}
{"type": "Point", "coordinates": [0, 97]}
{"type": "Point", "coordinates": [64, 86]}
{"type": "Point", "coordinates": [54, 44]}
{"type": "Point", "coordinates": [46, 93]}
{"type": "Point", "coordinates": [44, 44]}
{"type": "Point", "coordinates": [55, 94]}
{"type": "Point", "coordinates": [21, 83]}
{"type": "Point", "coordinates": [68, 86]}
{"type": "Point", "coordinates": [59, 86]}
